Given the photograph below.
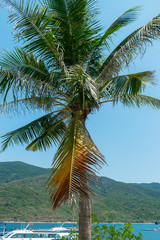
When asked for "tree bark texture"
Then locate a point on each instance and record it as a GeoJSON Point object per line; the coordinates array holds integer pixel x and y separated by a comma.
{"type": "Point", "coordinates": [84, 218]}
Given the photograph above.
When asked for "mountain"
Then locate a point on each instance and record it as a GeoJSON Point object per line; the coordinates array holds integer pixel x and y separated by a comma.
{"type": "Point", "coordinates": [128, 202]}
{"type": "Point", "coordinates": [23, 198]}
{"type": "Point", "coordinates": [154, 185]}
{"type": "Point", "coordinates": [10, 171]}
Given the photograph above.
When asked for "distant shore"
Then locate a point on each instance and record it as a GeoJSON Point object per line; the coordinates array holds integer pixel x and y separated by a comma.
{"type": "Point", "coordinates": [15, 222]}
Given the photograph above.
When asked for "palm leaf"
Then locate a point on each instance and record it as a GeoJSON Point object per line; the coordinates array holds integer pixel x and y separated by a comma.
{"type": "Point", "coordinates": [27, 105]}
{"type": "Point", "coordinates": [78, 29]}
{"type": "Point", "coordinates": [26, 63]}
{"type": "Point", "coordinates": [74, 164]}
{"type": "Point", "coordinates": [133, 45]}
{"type": "Point", "coordinates": [20, 68]}
{"type": "Point", "coordinates": [35, 129]}
{"type": "Point", "coordinates": [138, 101]}
{"type": "Point", "coordinates": [37, 94]}
{"type": "Point", "coordinates": [52, 133]}
{"type": "Point", "coordinates": [33, 88]}
{"type": "Point", "coordinates": [126, 84]}
{"type": "Point", "coordinates": [6, 82]}
{"type": "Point", "coordinates": [34, 28]}
{"type": "Point", "coordinates": [123, 20]}
{"type": "Point", "coordinates": [23, 72]}
{"type": "Point", "coordinates": [83, 89]}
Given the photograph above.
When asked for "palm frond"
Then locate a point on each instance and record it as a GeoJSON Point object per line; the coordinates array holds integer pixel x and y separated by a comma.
{"type": "Point", "coordinates": [123, 20]}
{"type": "Point", "coordinates": [83, 89]}
{"type": "Point", "coordinates": [52, 133]}
{"type": "Point", "coordinates": [6, 82]}
{"type": "Point", "coordinates": [19, 68]}
{"type": "Point", "coordinates": [23, 72]}
{"type": "Point", "coordinates": [50, 124]}
{"type": "Point", "coordinates": [126, 84]}
{"type": "Point", "coordinates": [138, 101]}
{"type": "Point", "coordinates": [34, 27]}
{"type": "Point", "coordinates": [31, 93]}
{"type": "Point", "coordinates": [133, 45]}
{"type": "Point", "coordinates": [23, 86]}
{"type": "Point", "coordinates": [26, 63]}
{"type": "Point", "coordinates": [27, 105]}
{"type": "Point", "coordinates": [74, 164]}
{"type": "Point", "coordinates": [78, 28]}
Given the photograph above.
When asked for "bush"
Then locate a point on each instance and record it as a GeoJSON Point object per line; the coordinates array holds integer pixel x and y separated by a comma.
{"type": "Point", "coordinates": [105, 232]}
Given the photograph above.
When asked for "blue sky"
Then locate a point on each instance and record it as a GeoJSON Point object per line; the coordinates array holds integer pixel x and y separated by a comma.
{"type": "Point", "coordinates": [129, 138]}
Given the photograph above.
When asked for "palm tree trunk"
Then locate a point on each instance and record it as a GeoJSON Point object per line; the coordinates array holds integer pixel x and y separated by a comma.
{"type": "Point", "coordinates": [84, 217]}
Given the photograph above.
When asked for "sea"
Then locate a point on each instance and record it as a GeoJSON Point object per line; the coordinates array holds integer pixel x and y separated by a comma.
{"type": "Point", "coordinates": [138, 227]}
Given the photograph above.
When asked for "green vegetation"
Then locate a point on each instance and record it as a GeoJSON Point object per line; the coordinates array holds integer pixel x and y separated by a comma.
{"type": "Point", "coordinates": [104, 232]}
{"type": "Point", "coordinates": [10, 171]}
{"type": "Point", "coordinates": [111, 232]}
{"type": "Point", "coordinates": [26, 200]}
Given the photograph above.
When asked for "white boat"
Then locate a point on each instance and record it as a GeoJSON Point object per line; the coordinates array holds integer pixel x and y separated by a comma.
{"type": "Point", "coordinates": [41, 234]}
{"type": "Point", "coordinates": [2, 228]}
{"type": "Point", "coordinates": [152, 229]}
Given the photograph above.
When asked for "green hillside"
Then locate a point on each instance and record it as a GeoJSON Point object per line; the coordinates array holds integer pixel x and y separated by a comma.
{"type": "Point", "coordinates": [154, 185]}
{"type": "Point", "coordinates": [10, 171]}
{"type": "Point", "coordinates": [128, 202]}
{"type": "Point", "coordinates": [23, 198]}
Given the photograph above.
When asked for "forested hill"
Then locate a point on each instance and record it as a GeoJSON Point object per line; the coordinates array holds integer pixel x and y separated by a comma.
{"type": "Point", "coordinates": [23, 198]}
{"type": "Point", "coordinates": [10, 171]}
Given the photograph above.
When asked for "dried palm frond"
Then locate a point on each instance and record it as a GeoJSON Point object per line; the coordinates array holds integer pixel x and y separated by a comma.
{"type": "Point", "coordinates": [74, 164]}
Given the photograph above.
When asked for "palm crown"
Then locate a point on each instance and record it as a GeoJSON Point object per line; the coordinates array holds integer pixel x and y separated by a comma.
{"type": "Point", "coordinates": [61, 69]}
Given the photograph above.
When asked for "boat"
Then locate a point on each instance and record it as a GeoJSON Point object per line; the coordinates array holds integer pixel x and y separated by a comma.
{"type": "Point", "coordinates": [157, 222]}
{"type": "Point", "coordinates": [65, 229]}
{"type": "Point", "coordinates": [40, 234]}
{"type": "Point", "coordinates": [34, 234]}
{"type": "Point", "coordinates": [152, 229]}
{"type": "Point", "coordinates": [2, 228]}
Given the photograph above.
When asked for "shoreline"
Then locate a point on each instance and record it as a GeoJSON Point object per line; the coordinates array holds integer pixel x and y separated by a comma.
{"type": "Point", "coordinates": [76, 222]}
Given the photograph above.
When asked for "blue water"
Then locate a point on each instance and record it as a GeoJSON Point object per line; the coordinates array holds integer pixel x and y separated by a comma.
{"type": "Point", "coordinates": [148, 235]}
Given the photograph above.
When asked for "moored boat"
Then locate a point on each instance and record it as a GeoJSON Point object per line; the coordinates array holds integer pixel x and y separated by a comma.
{"type": "Point", "coordinates": [2, 228]}
{"type": "Point", "coordinates": [40, 234]}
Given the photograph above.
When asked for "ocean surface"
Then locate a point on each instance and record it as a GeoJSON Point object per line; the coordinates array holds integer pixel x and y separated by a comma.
{"type": "Point", "coordinates": [139, 227]}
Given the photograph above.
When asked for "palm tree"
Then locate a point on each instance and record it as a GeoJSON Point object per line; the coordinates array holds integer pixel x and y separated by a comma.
{"type": "Point", "coordinates": [61, 68]}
